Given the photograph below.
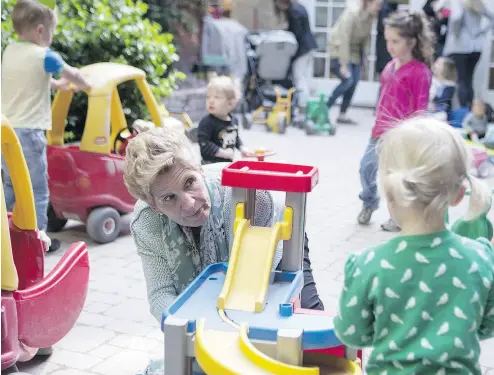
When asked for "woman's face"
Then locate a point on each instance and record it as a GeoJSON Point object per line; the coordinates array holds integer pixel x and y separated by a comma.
{"type": "Point", "coordinates": [181, 194]}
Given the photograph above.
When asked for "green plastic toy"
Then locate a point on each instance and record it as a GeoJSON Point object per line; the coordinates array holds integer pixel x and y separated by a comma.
{"type": "Point", "coordinates": [317, 119]}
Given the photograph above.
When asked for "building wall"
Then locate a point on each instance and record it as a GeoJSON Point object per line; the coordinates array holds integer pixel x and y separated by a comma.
{"type": "Point", "coordinates": [245, 12]}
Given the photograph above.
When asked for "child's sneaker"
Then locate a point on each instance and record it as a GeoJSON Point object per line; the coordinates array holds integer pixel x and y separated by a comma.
{"type": "Point", "coordinates": [390, 226]}
{"type": "Point", "coordinates": [365, 215]}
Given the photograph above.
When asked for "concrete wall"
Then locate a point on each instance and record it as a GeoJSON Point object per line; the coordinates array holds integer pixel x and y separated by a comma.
{"type": "Point", "coordinates": [244, 11]}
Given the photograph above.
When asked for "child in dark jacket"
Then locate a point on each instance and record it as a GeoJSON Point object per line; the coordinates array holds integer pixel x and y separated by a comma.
{"type": "Point", "coordinates": [218, 132]}
{"type": "Point", "coordinates": [443, 88]}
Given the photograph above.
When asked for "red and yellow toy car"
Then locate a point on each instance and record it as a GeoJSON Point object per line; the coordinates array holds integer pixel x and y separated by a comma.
{"type": "Point", "coordinates": [86, 179]}
{"type": "Point", "coordinates": [31, 315]}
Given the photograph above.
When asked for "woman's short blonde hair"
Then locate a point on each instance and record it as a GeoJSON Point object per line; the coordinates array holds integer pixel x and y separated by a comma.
{"type": "Point", "coordinates": [153, 152]}
{"type": "Point", "coordinates": [424, 163]}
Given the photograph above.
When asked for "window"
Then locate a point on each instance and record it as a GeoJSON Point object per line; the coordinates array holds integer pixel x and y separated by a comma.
{"type": "Point", "coordinates": [326, 14]}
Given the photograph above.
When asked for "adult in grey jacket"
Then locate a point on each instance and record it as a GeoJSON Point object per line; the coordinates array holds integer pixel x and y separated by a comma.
{"type": "Point", "coordinates": [465, 41]}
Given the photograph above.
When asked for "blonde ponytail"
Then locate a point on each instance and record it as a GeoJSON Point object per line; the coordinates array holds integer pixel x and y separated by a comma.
{"type": "Point", "coordinates": [480, 198]}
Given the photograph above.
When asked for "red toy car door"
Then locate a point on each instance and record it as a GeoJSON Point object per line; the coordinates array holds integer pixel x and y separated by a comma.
{"type": "Point", "coordinates": [48, 310]}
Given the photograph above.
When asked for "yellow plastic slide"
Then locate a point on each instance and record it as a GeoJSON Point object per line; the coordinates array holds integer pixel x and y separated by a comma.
{"type": "Point", "coordinates": [231, 353]}
{"type": "Point", "coordinates": [249, 268]}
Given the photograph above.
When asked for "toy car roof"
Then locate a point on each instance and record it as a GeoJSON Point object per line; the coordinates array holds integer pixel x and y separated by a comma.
{"type": "Point", "coordinates": [104, 76]}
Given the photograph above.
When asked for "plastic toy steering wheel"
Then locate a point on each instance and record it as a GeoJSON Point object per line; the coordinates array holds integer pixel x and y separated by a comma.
{"type": "Point", "coordinates": [260, 154]}
{"type": "Point", "coordinates": [122, 140]}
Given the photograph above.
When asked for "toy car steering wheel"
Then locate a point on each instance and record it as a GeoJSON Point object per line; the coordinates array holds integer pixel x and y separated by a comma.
{"type": "Point", "coordinates": [122, 140]}
{"type": "Point", "coordinates": [260, 154]}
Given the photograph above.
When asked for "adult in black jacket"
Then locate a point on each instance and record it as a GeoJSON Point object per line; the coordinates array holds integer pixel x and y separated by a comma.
{"type": "Point", "coordinates": [298, 23]}
{"type": "Point", "coordinates": [439, 23]}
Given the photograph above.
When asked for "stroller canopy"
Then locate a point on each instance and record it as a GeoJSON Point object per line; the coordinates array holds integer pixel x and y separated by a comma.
{"type": "Point", "coordinates": [223, 45]}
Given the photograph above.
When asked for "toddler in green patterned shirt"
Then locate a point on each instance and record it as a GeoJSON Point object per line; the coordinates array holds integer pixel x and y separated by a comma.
{"type": "Point", "coordinates": [424, 299]}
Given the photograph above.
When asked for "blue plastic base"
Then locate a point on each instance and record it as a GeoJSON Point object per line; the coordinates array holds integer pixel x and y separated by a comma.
{"type": "Point", "coordinates": [199, 300]}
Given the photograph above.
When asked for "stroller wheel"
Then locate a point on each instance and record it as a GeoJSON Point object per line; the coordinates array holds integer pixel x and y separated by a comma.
{"type": "Point", "coordinates": [282, 125]}
{"type": "Point", "coordinates": [309, 127]}
{"type": "Point", "coordinates": [332, 131]}
{"type": "Point", "coordinates": [246, 124]}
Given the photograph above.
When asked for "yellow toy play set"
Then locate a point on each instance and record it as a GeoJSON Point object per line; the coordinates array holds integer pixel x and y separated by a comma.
{"type": "Point", "coordinates": [243, 317]}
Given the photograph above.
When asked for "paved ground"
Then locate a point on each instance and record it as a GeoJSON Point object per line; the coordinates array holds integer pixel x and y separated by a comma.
{"type": "Point", "coordinates": [115, 334]}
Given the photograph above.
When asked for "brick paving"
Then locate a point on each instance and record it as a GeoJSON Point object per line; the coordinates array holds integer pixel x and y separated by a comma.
{"type": "Point", "coordinates": [116, 335]}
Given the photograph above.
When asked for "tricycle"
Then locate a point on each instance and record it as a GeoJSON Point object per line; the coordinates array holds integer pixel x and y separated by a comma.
{"type": "Point", "coordinates": [317, 118]}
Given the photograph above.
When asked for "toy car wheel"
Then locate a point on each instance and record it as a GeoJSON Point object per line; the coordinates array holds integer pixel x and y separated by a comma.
{"type": "Point", "coordinates": [45, 351]}
{"type": "Point", "coordinates": [282, 125]}
{"type": "Point", "coordinates": [55, 224]}
{"type": "Point", "coordinates": [309, 127]}
{"type": "Point", "coordinates": [483, 169]}
{"type": "Point", "coordinates": [332, 131]}
{"type": "Point", "coordinates": [103, 224]}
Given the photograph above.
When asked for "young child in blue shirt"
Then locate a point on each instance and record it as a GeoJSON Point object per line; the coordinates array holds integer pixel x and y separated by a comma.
{"type": "Point", "coordinates": [28, 67]}
{"type": "Point", "coordinates": [425, 299]}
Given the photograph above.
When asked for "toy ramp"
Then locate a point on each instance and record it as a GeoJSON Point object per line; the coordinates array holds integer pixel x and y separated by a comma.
{"type": "Point", "coordinates": [249, 268]}
{"type": "Point", "coordinates": [231, 353]}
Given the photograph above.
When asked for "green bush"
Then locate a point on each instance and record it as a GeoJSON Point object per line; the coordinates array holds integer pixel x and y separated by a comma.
{"type": "Point", "coordinates": [91, 31]}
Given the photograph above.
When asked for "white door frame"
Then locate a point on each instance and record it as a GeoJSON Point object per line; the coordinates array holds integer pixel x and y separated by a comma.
{"type": "Point", "coordinates": [367, 91]}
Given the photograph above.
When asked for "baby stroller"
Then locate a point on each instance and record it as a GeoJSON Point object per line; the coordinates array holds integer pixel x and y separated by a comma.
{"type": "Point", "coordinates": [269, 96]}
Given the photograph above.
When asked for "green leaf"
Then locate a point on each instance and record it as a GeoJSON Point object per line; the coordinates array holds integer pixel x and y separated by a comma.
{"type": "Point", "coordinates": [91, 31]}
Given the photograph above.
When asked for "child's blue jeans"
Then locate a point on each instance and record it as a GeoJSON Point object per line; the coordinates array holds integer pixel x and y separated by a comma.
{"type": "Point", "coordinates": [368, 176]}
{"type": "Point", "coordinates": [33, 142]}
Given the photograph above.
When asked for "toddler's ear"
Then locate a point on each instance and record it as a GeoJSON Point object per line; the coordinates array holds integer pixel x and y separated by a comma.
{"type": "Point", "coordinates": [459, 197]}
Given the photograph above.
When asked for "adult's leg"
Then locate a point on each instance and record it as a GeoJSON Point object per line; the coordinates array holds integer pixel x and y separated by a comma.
{"type": "Point", "coordinates": [471, 64]}
{"type": "Point", "coordinates": [461, 64]}
{"type": "Point", "coordinates": [348, 95]}
{"type": "Point", "coordinates": [309, 298]}
{"type": "Point", "coordinates": [345, 84]}
{"type": "Point", "coordinates": [301, 76]}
